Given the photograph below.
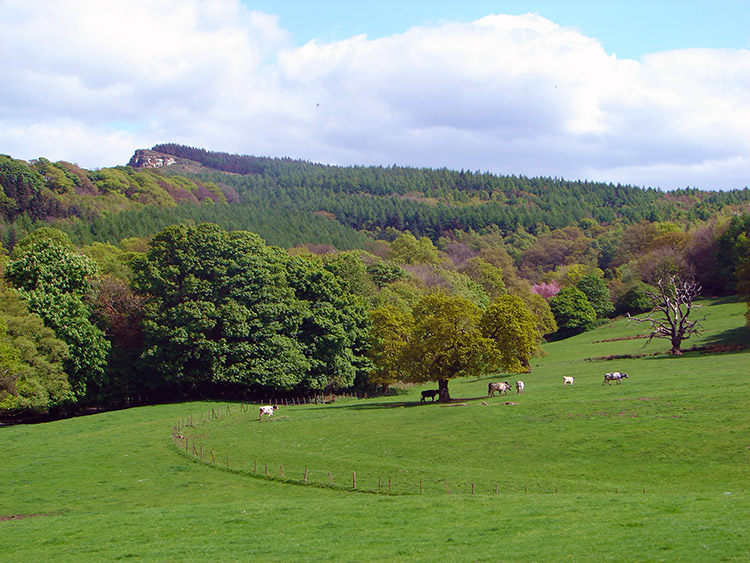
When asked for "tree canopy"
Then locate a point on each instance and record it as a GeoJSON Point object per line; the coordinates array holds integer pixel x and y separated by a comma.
{"type": "Point", "coordinates": [225, 308]}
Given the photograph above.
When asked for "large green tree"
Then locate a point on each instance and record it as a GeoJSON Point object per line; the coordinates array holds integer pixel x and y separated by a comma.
{"type": "Point", "coordinates": [218, 309]}
{"type": "Point", "coordinates": [572, 309]}
{"type": "Point", "coordinates": [513, 329]}
{"type": "Point", "coordinates": [54, 279]}
{"type": "Point", "coordinates": [595, 289]}
{"type": "Point", "coordinates": [32, 378]}
{"type": "Point", "coordinates": [334, 327]}
{"type": "Point", "coordinates": [446, 342]}
{"type": "Point", "coordinates": [222, 307]}
{"type": "Point", "coordinates": [391, 329]}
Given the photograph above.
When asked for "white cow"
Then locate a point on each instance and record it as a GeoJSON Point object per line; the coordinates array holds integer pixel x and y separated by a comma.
{"type": "Point", "coordinates": [568, 380]}
{"type": "Point", "coordinates": [614, 376]}
{"type": "Point", "coordinates": [268, 410]}
{"type": "Point", "coordinates": [502, 388]}
{"type": "Point", "coordinates": [519, 387]}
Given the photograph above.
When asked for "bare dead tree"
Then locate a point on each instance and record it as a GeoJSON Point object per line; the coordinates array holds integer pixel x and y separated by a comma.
{"type": "Point", "coordinates": [672, 305]}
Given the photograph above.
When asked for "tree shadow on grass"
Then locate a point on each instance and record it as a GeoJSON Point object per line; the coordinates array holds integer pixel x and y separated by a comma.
{"type": "Point", "coordinates": [722, 300]}
{"type": "Point", "coordinates": [454, 402]}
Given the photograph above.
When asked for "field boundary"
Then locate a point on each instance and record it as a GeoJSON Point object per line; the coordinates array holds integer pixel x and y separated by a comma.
{"type": "Point", "coordinates": [349, 481]}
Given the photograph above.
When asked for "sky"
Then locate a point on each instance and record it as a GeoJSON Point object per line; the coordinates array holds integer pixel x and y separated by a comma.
{"type": "Point", "coordinates": [647, 93]}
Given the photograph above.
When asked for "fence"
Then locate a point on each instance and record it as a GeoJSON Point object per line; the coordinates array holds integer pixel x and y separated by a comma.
{"type": "Point", "coordinates": [369, 481]}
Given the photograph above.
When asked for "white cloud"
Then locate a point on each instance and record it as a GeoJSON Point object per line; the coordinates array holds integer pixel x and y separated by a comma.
{"type": "Point", "coordinates": [91, 81]}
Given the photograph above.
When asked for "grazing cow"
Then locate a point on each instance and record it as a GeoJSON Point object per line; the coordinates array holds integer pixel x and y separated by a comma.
{"type": "Point", "coordinates": [268, 409]}
{"type": "Point", "coordinates": [568, 380]}
{"type": "Point", "coordinates": [519, 387]}
{"type": "Point", "coordinates": [431, 393]}
{"type": "Point", "coordinates": [614, 376]}
{"type": "Point", "coordinates": [502, 388]}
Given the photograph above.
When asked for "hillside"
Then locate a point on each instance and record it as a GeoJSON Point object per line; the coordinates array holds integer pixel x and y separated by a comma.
{"type": "Point", "coordinates": [166, 184]}
{"type": "Point", "coordinates": [276, 276]}
{"type": "Point", "coordinates": [655, 468]}
{"type": "Point", "coordinates": [435, 202]}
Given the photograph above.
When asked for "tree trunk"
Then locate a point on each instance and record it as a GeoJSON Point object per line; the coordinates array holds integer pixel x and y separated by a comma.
{"type": "Point", "coordinates": [444, 393]}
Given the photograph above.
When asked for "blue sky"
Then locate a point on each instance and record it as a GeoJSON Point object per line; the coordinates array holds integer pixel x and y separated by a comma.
{"type": "Point", "coordinates": [654, 94]}
{"type": "Point", "coordinates": [628, 28]}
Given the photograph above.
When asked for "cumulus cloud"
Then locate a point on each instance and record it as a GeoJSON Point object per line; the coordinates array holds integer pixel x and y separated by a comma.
{"type": "Point", "coordinates": [90, 81]}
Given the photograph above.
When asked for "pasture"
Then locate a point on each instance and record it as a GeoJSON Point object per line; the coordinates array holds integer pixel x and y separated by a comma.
{"type": "Point", "coordinates": [654, 469]}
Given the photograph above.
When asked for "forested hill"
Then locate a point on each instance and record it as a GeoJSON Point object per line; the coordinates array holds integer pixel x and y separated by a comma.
{"type": "Point", "coordinates": [431, 202]}
{"type": "Point", "coordinates": [291, 202]}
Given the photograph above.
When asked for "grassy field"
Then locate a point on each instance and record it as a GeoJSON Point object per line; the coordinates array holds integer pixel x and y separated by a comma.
{"type": "Point", "coordinates": [654, 469]}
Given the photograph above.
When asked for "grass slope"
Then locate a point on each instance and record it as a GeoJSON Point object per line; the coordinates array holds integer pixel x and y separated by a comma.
{"type": "Point", "coordinates": [113, 486]}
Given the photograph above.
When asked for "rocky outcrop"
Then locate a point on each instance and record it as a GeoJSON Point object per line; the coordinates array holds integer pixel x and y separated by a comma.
{"type": "Point", "coordinates": [150, 159]}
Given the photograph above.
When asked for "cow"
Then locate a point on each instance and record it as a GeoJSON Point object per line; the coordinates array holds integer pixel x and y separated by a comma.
{"type": "Point", "coordinates": [431, 393]}
{"type": "Point", "coordinates": [568, 380]}
{"type": "Point", "coordinates": [519, 387]}
{"type": "Point", "coordinates": [268, 410]}
{"type": "Point", "coordinates": [614, 376]}
{"type": "Point", "coordinates": [502, 388]}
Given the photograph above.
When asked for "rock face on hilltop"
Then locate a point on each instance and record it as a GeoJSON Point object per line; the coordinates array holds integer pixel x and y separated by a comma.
{"type": "Point", "coordinates": [150, 159]}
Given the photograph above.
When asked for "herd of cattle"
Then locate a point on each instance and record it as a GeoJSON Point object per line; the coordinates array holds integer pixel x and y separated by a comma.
{"type": "Point", "coordinates": [500, 387]}
{"type": "Point", "coordinates": [503, 387]}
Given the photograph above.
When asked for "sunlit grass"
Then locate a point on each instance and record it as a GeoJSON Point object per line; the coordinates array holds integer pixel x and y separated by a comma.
{"type": "Point", "coordinates": [653, 469]}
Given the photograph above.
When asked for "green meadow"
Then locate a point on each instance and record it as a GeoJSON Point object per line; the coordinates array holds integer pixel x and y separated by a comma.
{"type": "Point", "coordinates": [654, 469]}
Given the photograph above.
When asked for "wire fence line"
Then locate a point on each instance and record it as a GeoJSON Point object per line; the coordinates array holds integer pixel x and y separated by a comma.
{"type": "Point", "coordinates": [368, 481]}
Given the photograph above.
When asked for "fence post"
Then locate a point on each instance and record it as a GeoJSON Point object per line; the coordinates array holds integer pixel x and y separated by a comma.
{"type": "Point", "coordinates": [255, 466]}
{"type": "Point", "coordinates": [472, 488]}
{"type": "Point", "coordinates": [447, 488]}
{"type": "Point", "coordinates": [389, 484]}
{"type": "Point", "coordinates": [495, 488]}
{"type": "Point", "coordinates": [305, 479]}
{"type": "Point", "coordinates": [330, 479]}
{"type": "Point", "coordinates": [201, 453]}
{"type": "Point", "coordinates": [281, 470]}
{"type": "Point", "coordinates": [354, 479]}
{"type": "Point", "coordinates": [212, 456]}
{"type": "Point", "coordinates": [266, 470]}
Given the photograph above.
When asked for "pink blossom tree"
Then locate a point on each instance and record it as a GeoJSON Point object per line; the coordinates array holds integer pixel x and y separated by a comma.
{"type": "Point", "coordinates": [546, 290]}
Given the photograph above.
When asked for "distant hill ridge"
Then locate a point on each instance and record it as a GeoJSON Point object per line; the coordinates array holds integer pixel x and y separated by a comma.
{"type": "Point", "coordinates": [291, 201]}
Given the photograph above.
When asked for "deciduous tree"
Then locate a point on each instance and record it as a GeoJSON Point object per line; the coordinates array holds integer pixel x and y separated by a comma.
{"type": "Point", "coordinates": [446, 342]}
{"type": "Point", "coordinates": [673, 303]}
{"type": "Point", "coordinates": [53, 278]}
{"type": "Point", "coordinates": [572, 309]}
{"type": "Point", "coordinates": [595, 289]}
{"type": "Point", "coordinates": [513, 330]}
{"type": "Point", "coordinates": [391, 329]}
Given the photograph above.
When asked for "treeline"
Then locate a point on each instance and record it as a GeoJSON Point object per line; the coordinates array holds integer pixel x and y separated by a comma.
{"type": "Point", "coordinates": [111, 204]}
{"type": "Point", "coordinates": [198, 311]}
{"type": "Point", "coordinates": [122, 286]}
{"type": "Point", "coordinates": [431, 202]}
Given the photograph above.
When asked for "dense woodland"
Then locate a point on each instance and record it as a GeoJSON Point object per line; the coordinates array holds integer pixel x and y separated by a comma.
{"type": "Point", "coordinates": [228, 275]}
